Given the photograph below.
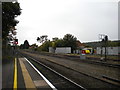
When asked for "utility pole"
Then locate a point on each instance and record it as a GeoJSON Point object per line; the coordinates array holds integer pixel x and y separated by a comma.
{"type": "Point", "coordinates": [106, 39]}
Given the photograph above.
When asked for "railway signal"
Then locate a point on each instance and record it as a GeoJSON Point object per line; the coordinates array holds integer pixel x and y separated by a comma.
{"type": "Point", "coordinates": [104, 39]}
{"type": "Point", "coordinates": [16, 41]}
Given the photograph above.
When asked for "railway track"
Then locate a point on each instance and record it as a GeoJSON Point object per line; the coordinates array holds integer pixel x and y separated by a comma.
{"type": "Point", "coordinates": [88, 60]}
{"type": "Point", "coordinates": [85, 80]}
{"type": "Point", "coordinates": [57, 79]}
{"type": "Point", "coordinates": [77, 59]}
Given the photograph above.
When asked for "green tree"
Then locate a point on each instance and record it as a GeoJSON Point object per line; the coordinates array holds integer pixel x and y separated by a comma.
{"type": "Point", "coordinates": [55, 38]}
{"type": "Point", "coordinates": [21, 46]}
{"type": "Point", "coordinates": [59, 43]}
{"type": "Point", "coordinates": [9, 12]}
{"type": "Point", "coordinates": [42, 39]}
{"type": "Point", "coordinates": [34, 45]}
{"type": "Point", "coordinates": [26, 44]}
{"type": "Point", "coordinates": [70, 41]}
{"type": "Point", "coordinates": [45, 46]}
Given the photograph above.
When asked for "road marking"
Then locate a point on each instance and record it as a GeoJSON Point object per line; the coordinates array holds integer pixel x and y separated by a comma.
{"type": "Point", "coordinates": [15, 74]}
{"type": "Point", "coordinates": [53, 87]}
{"type": "Point", "coordinates": [27, 79]}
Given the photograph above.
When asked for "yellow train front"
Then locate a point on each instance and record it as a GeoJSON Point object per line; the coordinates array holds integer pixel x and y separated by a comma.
{"type": "Point", "coordinates": [87, 51]}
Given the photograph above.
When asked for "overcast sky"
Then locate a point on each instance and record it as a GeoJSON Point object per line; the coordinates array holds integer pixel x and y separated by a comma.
{"type": "Point", "coordinates": [85, 19]}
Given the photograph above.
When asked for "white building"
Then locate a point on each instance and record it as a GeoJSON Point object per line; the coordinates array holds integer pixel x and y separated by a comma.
{"type": "Point", "coordinates": [109, 50]}
{"type": "Point", "coordinates": [60, 50]}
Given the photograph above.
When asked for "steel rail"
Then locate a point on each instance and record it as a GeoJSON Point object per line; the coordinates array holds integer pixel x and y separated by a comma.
{"type": "Point", "coordinates": [58, 74]}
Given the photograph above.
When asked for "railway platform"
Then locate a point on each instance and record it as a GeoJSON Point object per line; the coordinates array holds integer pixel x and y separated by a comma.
{"type": "Point", "coordinates": [24, 75]}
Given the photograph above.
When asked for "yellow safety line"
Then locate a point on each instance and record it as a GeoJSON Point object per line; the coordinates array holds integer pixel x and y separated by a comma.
{"type": "Point", "coordinates": [27, 78]}
{"type": "Point", "coordinates": [15, 75]}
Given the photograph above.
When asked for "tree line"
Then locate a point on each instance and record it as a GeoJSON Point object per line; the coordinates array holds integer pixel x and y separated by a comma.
{"type": "Point", "coordinates": [10, 11]}
{"type": "Point", "coordinates": [67, 41]}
